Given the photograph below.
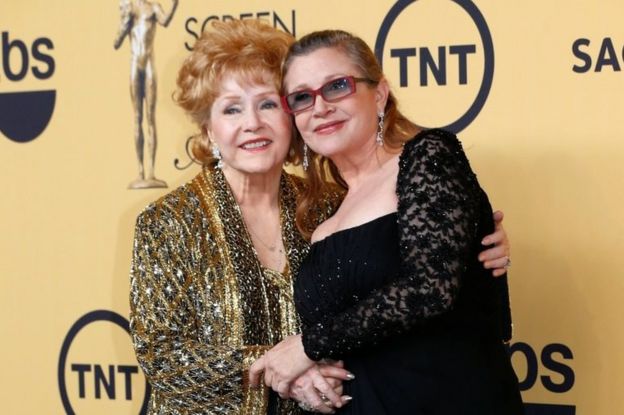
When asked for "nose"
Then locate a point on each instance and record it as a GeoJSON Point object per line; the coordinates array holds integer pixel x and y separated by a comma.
{"type": "Point", "coordinates": [252, 120]}
{"type": "Point", "coordinates": [322, 107]}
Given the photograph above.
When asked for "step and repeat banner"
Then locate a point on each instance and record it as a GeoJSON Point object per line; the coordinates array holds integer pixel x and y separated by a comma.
{"type": "Point", "coordinates": [534, 89]}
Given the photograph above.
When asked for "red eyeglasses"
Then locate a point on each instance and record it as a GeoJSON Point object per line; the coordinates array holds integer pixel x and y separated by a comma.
{"type": "Point", "coordinates": [332, 91]}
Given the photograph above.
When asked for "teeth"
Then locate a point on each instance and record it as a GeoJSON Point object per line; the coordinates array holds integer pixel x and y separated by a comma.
{"type": "Point", "coordinates": [256, 144]}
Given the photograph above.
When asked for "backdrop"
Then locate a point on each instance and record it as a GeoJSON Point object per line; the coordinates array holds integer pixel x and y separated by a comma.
{"type": "Point", "coordinates": [533, 88]}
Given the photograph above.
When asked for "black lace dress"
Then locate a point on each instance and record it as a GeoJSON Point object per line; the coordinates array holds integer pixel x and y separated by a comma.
{"type": "Point", "coordinates": [403, 300]}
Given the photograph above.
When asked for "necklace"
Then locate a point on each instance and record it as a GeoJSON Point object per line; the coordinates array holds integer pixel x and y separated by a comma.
{"type": "Point", "coordinates": [276, 249]}
{"type": "Point", "coordinates": [266, 245]}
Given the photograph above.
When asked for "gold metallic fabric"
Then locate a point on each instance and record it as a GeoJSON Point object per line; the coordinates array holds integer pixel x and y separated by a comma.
{"type": "Point", "coordinates": [202, 306]}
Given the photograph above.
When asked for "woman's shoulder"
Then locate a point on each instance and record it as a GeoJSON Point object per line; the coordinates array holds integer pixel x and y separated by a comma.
{"type": "Point", "coordinates": [173, 206]}
{"type": "Point", "coordinates": [431, 150]}
{"type": "Point", "coordinates": [433, 154]}
{"type": "Point", "coordinates": [435, 139]}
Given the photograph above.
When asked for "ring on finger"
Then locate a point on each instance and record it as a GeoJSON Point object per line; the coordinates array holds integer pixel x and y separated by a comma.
{"type": "Point", "coordinates": [507, 264]}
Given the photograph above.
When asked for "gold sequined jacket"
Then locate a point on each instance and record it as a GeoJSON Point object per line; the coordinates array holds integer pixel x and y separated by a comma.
{"type": "Point", "coordinates": [203, 308]}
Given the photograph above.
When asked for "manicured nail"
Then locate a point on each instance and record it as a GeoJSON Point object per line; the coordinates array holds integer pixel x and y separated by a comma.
{"type": "Point", "coordinates": [350, 376]}
{"type": "Point", "coordinates": [347, 398]}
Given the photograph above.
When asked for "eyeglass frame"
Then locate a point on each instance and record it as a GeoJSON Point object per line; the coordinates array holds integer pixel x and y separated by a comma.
{"type": "Point", "coordinates": [352, 80]}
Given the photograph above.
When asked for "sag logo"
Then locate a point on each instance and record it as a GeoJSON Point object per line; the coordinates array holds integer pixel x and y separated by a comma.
{"type": "Point", "coordinates": [24, 115]}
{"type": "Point", "coordinates": [550, 369]}
{"type": "Point", "coordinates": [444, 75]}
{"type": "Point", "coordinates": [606, 57]}
{"type": "Point", "coordinates": [97, 371]}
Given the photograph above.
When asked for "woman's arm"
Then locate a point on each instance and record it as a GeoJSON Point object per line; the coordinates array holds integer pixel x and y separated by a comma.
{"type": "Point", "coordinates": [181, 364]}
{"type": "Point", "coordinates": [439, 200]}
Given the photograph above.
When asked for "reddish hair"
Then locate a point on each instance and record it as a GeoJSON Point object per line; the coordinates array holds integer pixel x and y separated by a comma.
{"type": "Point", "coordinates": [250, 50]}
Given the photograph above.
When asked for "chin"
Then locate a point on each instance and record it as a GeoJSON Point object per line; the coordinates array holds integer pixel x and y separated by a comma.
{"type": "Point", "coordinates": [327, 150]}
{"type": "Point", "coordinates": [260, 167]}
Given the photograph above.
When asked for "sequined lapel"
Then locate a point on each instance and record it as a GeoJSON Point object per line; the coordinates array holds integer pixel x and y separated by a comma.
{"type": "Point", "coordinates": [244, 287]}
{"type": "Point", "coordinates": [224, 286]}
{"type": "Point", "coordinates": [296, 247]}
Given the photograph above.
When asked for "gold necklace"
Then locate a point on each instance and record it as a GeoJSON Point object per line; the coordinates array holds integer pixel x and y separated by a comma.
{"type": "Point", "coordinates": [276, 248]}
{"type": "Point", "coordinates": [269, 247]}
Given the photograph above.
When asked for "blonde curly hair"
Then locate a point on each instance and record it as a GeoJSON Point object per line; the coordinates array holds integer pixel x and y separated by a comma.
{"type": "Point", "coordinates": [250, 50]}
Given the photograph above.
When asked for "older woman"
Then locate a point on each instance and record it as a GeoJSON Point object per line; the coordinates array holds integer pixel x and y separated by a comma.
{"type": "Point", "coordinates": [391, 284]}
{"type": "Point", "coordinates": [211, 280]}
{"type": "Point", "coordinates": [211, 285]}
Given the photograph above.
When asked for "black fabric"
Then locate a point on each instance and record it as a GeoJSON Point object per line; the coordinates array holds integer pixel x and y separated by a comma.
{"type": "Point", "coordinates": [405, 302]}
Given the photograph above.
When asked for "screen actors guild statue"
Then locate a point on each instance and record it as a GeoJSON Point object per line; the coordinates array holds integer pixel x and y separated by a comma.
{"type": "Point", "coordinates": [139, 19]}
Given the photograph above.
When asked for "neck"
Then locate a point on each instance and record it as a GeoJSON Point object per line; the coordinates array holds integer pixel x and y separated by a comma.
{"type": "Point", "coordinates": [356, 166]}
{"type": "Point", "coordinates": [253, 190]}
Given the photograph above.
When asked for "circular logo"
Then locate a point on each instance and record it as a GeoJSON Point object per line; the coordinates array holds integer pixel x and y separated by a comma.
{"type": "Point", "coordinates": [94, 380]}
{"type": "Point", "coordinates": [447, 72]}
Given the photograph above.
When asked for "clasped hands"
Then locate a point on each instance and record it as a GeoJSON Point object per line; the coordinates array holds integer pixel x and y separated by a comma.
{"type": "Point", "coordinates": [287, 370]}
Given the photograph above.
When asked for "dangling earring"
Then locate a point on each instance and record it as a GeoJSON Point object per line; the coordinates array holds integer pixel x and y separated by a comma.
{"type": "Point", "coordinates": [380, 131]}
{"type": "Point", "coordinates": [217, 155]}
{"type": "Point", "coordinates": [306, 162]}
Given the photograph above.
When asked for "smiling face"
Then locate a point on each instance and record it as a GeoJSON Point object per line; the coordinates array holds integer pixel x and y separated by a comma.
{"type": "Point", "coordinates": [341, 127]}
{"type": "Point", "coordinates": [249, 127]}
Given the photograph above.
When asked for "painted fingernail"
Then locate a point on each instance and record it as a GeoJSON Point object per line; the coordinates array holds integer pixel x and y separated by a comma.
{"type": "Point", "coordinates": [346, 398]}
{"type": "Point", "coordinates": [350, 376]}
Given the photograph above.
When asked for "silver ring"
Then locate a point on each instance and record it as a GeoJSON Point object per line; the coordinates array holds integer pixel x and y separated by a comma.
{"type": "Point", "coordinates": [323, 397]}
{"type": "Point", "coordinates": [305, 406]}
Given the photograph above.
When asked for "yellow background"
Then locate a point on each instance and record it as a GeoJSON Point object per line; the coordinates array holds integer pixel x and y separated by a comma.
{"type": "Point", "coordinates": [547, 147]}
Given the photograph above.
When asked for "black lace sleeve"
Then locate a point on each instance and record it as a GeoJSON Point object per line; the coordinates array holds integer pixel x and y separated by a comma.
{"type": "Point", "coordinates": [437, 214]}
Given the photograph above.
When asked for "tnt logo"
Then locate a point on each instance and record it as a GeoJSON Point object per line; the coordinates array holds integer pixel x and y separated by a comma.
{"type": "Point", "coordinates": [443, 76]}
{"type": "Point", "coordinates": [24, 115]}
{"type": "Point", "coordinates": [97, 371]}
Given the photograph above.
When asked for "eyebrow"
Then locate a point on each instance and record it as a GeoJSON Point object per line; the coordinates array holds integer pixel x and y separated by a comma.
{"type": "Point", "coordinates": [235, 96]}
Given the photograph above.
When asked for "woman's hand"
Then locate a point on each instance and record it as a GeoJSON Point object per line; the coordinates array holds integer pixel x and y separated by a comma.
{"type": "Point", "coordinates": [281, 366]}
{"type": "Point", "coordinates": [324, 376]}
{"type": "Point", "coordinates": [496, 258]}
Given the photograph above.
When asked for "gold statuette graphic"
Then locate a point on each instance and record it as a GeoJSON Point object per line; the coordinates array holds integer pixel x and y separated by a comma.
{"type": "Point", "coordinates": [139, 19]}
